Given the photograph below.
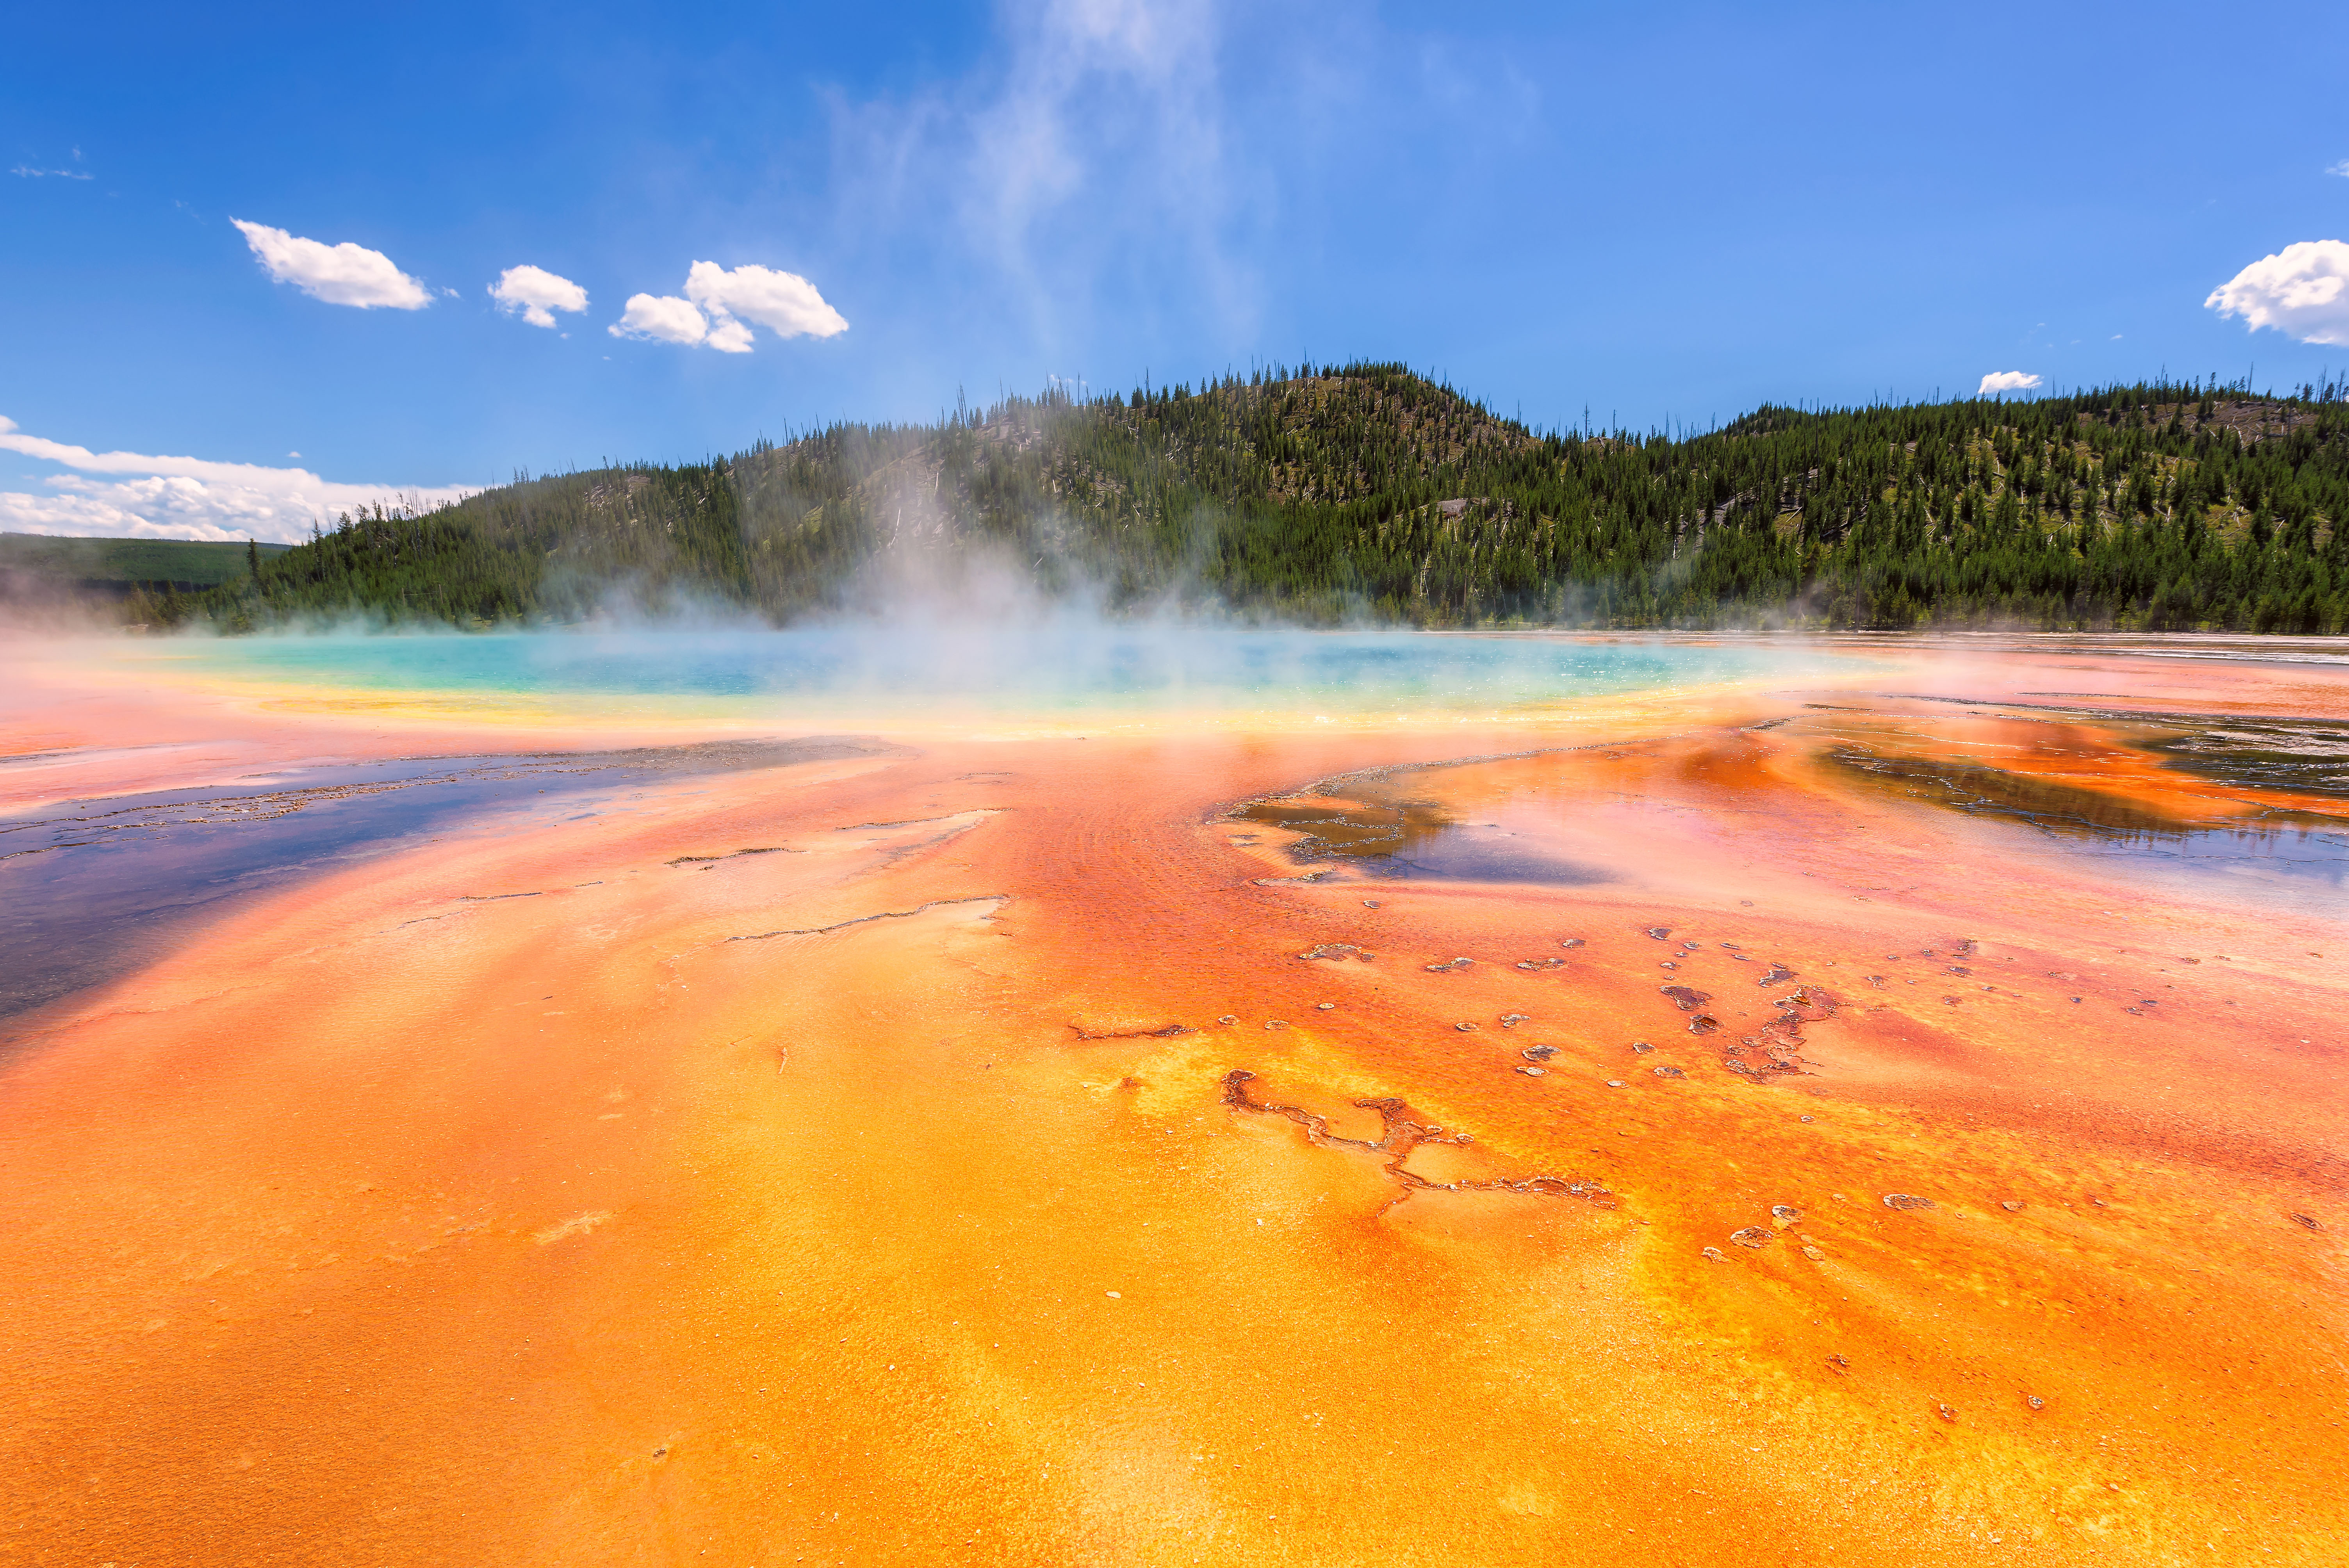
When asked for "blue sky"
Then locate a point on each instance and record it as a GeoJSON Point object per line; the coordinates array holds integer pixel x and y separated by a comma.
{"type": "Point", "coordinates": [1653, 215]}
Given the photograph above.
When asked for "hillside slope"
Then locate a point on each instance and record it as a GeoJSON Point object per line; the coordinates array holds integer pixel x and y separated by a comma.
{"type": "Point", "coordinates": [1370, 491]}
{"type": "Point", "coordinates": [43, 570]}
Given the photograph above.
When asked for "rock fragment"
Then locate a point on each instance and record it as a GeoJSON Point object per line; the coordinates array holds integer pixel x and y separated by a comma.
{"type": "Point", "coordinates": [1906, 1200]}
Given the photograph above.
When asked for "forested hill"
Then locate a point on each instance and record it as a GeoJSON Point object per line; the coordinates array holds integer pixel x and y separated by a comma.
{"type": "Point", "coordinates": [1367, 491]}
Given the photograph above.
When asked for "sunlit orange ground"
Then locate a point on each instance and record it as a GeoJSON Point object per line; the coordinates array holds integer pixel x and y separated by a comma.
{"type": "Point", "coordinates": [885, 1201]}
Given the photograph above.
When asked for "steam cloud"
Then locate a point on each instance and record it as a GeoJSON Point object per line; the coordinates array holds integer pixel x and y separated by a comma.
{"type": "Point", "coordinates": [1098, 139]}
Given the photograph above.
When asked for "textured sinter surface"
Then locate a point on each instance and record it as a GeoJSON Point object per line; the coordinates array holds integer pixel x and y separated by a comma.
{"type": "Point", "coordinates": [1885, 1140]}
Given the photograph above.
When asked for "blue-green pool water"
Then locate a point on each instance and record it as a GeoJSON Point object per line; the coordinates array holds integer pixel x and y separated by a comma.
{"type": "Point", "coordinates": [1048, 667]}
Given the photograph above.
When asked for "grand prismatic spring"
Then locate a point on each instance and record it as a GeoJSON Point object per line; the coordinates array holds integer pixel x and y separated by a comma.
{"type": "Point", "coordinates": [1101, 1096]}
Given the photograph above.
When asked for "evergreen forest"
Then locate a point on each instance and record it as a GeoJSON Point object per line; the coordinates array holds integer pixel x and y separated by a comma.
{"type": "Point", "coordinates": [1369, 494]}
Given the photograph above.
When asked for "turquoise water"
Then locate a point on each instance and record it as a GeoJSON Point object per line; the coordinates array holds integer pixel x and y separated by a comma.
{"type": "Point", "coordinates": [1049, 666]}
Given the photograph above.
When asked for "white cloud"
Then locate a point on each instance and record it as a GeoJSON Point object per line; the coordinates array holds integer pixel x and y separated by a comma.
{"type": "Point", "coordinates": [2006, 381]}
{"type": "Point", "coordinates": [2341, 169]}
{"type": "Point", "coordinates": [27, 171]}
{"type": "Point", "coordinates": [535, 294]}
{"type": "Point", "coordinates": [2301, 291]}
{"type": "Point", "coordinates": [662, 316]}
{"type": "Point", "coordinates": [339, 275]}
{"type": "Point", "coordinates": [185, 497]}
{"type": "Point", "coordinates": [784, 303]}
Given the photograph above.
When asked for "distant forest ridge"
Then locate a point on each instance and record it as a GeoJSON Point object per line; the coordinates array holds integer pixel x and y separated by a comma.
{"type": "Point", "coordinates": [1320, 495]}
{"type": "Point", "coordinates": [118, 567]}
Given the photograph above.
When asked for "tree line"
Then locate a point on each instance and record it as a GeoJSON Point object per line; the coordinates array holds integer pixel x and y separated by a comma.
{"type": "Point", "coordinates": [1366, 491]}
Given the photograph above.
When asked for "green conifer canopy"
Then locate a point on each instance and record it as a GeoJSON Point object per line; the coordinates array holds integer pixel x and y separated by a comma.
{"type": "Point", "coordinates": [1369, 492]}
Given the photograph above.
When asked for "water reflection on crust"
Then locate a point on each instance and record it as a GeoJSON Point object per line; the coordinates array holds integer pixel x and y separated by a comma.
{"type": "Point", "coordinates": [1415, 840]}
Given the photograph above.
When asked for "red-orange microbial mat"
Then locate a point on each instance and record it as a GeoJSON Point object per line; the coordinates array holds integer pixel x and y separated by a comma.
{"type": "Point", "coordinates": [1897, 1123]}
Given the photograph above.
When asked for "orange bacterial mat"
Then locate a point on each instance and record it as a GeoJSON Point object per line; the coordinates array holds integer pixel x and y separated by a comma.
{"type": "Point", "coordinates": [1200, 1147]}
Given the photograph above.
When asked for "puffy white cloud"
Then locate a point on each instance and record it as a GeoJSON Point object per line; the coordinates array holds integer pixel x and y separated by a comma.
{"type": "Point", "coordinates": [535, 294]}
{"type": "Point", "coordinates": [2301, 291]}
{"type": "Point", "coordinates": [339, 275]}
{"type": "Point", "coordinates": [662, 316]}
{"type": "Point", "coordinates": [2341, 169]}
{"type": "Point", "coordinates": [149, 497]}
{"type": "Point", "coordinates": [2006, 381]}
{"type": "Point", "coordinates": [784, 303]}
